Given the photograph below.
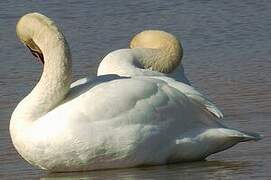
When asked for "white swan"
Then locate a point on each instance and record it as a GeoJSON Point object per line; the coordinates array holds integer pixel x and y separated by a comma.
{"type": "Point", "coordinates": [110, 121]}
{"type": "Point", "coordinates": [152, 53]}
{"type": "Point", "coordinates": [156, 54]}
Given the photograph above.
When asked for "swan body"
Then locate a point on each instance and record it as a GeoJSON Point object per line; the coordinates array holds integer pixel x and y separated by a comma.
{"type": "Point", "coordinates": [115, 120]}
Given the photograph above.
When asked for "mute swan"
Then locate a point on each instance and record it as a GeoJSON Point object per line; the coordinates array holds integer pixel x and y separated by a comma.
{"type": "Point", "coordinates": [152, 53]}
{"type": "Point", "coordinates": [109, 121]}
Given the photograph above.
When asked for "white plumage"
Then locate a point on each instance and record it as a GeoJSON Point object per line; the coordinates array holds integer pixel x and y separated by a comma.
{"type": "Point", "coordinates": [132, 114]}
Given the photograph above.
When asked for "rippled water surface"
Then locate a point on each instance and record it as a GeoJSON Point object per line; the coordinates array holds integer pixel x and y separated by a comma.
{"type": "Point", "coordinates": [227, 46]}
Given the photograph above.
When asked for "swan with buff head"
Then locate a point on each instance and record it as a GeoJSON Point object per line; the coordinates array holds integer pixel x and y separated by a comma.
{"type": "Point", "coordinates": [152, 53]}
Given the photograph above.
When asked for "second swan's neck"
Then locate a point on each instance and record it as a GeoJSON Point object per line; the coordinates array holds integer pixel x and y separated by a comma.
{"type": "Point", "coordinates": [55, 81]}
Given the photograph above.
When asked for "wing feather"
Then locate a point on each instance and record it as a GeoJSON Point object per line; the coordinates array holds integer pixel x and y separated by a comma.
{"type": "Point", "coordinates": [194, 95]}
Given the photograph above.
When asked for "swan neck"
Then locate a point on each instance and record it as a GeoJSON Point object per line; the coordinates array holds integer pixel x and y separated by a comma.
{"type": "Point", "coordinates": [55, 81]}
{"type": "Point", "coordinates": [56, 78]}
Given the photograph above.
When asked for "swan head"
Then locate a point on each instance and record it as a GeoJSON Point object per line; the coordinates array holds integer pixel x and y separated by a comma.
{"type": "Point", "coordinates": [33, 30]}
{"type": "Point", "coordinates": [169, 46]}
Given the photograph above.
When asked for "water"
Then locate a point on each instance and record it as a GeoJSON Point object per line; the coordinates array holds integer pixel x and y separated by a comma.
{"type": "Point", "coordinates": [227, 57]}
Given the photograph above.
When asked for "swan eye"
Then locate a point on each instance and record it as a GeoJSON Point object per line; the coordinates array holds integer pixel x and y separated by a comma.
{"type": "Point", "coordinates": [37, 54]}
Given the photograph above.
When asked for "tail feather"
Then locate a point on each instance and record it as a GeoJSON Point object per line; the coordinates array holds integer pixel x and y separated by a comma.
{"type": "Point", "coordinates": [239, 136]}
{"type": "Point", "coordinates": [224, 138]}
{"type": "Point", "coordinates": [200, 143]}
{"type": "Point", "coordinates": [250, 136]}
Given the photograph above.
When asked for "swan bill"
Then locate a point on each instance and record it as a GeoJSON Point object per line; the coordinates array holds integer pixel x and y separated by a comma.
{"type": "Point", "coordinates": [37, 54]}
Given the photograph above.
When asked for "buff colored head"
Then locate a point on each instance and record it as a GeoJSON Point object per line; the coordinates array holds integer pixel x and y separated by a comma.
{"type": "Point", "coordinates": [154, 39]}
{"type": "Point", "coordinates": [35, 30]}
{"type": "Point", "coordinates": [170, 48]}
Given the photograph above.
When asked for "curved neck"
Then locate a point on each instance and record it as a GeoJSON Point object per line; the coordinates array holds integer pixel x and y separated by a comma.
{"type": "Point", "coordinates": [55, 81]}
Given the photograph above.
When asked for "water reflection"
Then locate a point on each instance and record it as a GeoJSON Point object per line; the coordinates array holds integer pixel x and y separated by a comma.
{"type": "Point", "coordinates": [196, 170]}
